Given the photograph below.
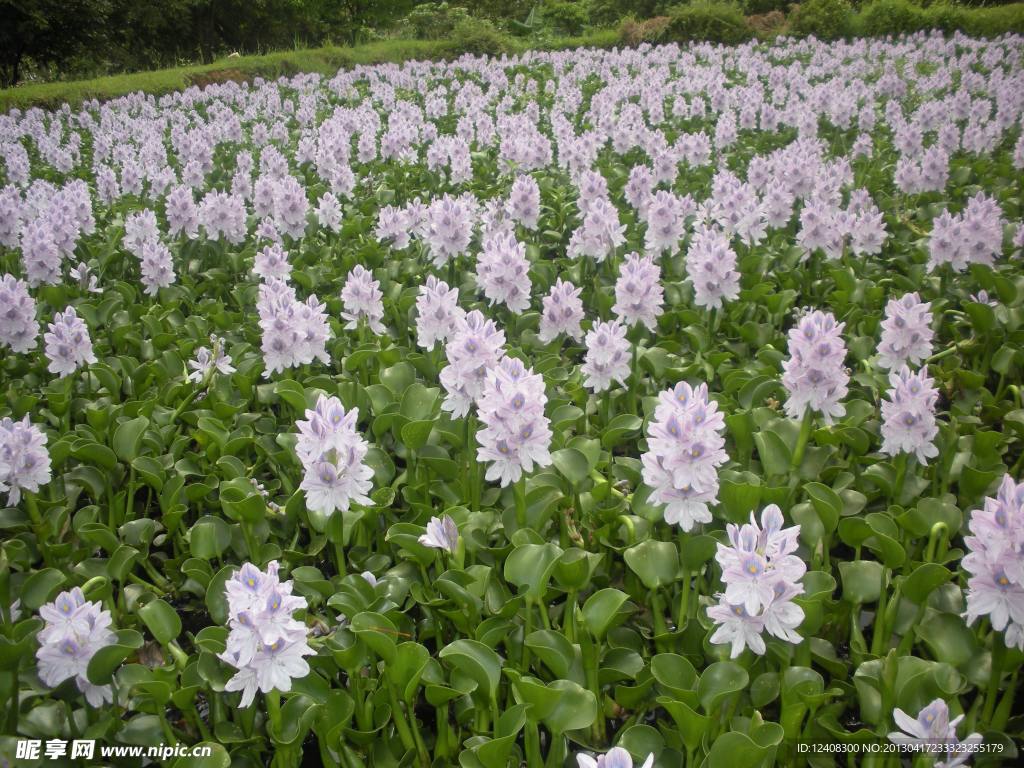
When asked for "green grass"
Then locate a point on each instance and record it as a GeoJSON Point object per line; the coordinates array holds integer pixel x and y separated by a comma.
{"type": "Point", "coordinates": [324, 60]}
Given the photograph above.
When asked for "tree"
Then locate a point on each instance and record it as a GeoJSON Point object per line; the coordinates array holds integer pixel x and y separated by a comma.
{"type": "Point", "coordinates": [49, 32]}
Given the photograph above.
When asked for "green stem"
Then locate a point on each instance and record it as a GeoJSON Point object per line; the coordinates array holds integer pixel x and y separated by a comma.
{"type": "Point", "coordinates": [401, 724]}
{"type": "Point", "coordinates": [901, 476]}
{"type": "Point", "coordinates": [38, 526]}
{"type": "Point", "coordinates": [801, 442]}
{"type": "Point", "coordinates": [992, 693]}
{"type": "Point", "coordinates": [520, 493]}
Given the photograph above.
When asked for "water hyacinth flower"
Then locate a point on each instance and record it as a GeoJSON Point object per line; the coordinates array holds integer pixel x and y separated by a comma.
{"type": "Point", "coordinates": [638, 292]}
{"type": "Point", "coordinates": [600, 233]}
{"type": "Point", "coordinates": [474, 348]}
{"type": "Point", "coordinates": [761, 576]}
{"type": "Point", "coordinates": [87, 281]}
{"type": "Point", "coordinates": [909, 415]}
{"type": "Point", "coordinates": [24, 460]}
{"type": "Point", "coordinates": [906, 332]}
{"type": "Point", "coordinates": [814, 374]}
{"type": "Point", "coordinates": [19, 328]}
{"type": "Point", "coordinates": [437, 312]}
{"type": "Point", "coordinates": [616, 757]}
{"type": "Point", "coordinates": [332, 452]}
{"type": "Point", "coordinates": [503, 273]}
{"type": "Point", "coordinates": [272, 262]}
{"type": "Point", "coordinates": [328, 212]}
{"type": "Point", "coordinates": [608, 356]}
{"type": "Point", "coordinates": [266, 644]}
{"type": "Point", "coordinates": [363, 300]}
{"type": "Point", "coordinates": [523, 204]}
{"type": "Point", "coordinates": [711, 268]}
{"type": "Point", "coordinates": [442, 533]}
{"type": "Point", "coordinates": [448, 228]}
{"type": "Point", "coordinates": [207, 361]}
{"type": "Point", "coordinates": [684, 450]}
{"type": "Point", "coordinates": [995, 561]}
{"type": "Point", "coordinates": [156, 266]}
{"type": "Point", "coordinates": [516, 434]}
{"type": "Point", "coordinates": [931, 728]}
{"type": "Point", "coordinates": [68, 346]}
{"type": "Point", "coordinates": [294, 332]}
{"type": "Point", "coordinates": [74, 630]}
{"type": "Point", "coordinates": [562, 312]}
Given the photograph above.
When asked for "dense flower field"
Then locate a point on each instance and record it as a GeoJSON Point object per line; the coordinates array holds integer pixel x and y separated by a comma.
{"type": "Point", "coordinates": [648, 407]}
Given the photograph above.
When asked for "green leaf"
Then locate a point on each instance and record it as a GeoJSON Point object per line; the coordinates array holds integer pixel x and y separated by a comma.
{"type": "Point", "coordinates": [862, 580]}
{"type": "Point", "coordinates": [773, 452]}
{"type": "Point", "coordinates": [106, 660]}
{"type": "Point", "coordinates": [655, 562]}
{"type": "Point", "coordinates": [162, 620]}
{"type": "Point", "coordinates": [530, 566]}
{"type": "Point", "coordinates": [718, 682]}
{"type": "Point", "coordinates": [602, 610]}
{"type": "Point", "coordinates": [128, 438]}
{"type": "Point", "coordinates": [571, 464]}
{"type": "Point", "coordinates": [475, 660]}
{"type": "Point", "coordinates": [416, 433]}
{"type": "Point", "coordinates": [620, 428]}
{"type": "Point", "coordinates": [38, 587]}
{"type": "Point", "coordinates": [923, 580]}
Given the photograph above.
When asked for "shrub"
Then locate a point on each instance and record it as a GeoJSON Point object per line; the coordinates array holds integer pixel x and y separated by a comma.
{"type": "Point", "coordinates": [825, 19]}
{"type": "Point", "coordinates": [714, 22]}
{"type": "Point", "coordinates": [479, 37]}
{"type": "Point", "coordinates": [434, 21]}
{"type": "Point", "coordinates": [892, 17]}
{"type": "Point", "coordinates": [633, 32]}
{"type": "Point", "coordinates": [566, 18]}
{"type": "Point", "coordinates": [766, 25]}
{"type": "Point", "coordinates": [761, 7]}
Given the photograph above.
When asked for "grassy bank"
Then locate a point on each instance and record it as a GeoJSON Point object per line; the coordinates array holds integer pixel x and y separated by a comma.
{"type": "Point", "coordinates": [324, 60]}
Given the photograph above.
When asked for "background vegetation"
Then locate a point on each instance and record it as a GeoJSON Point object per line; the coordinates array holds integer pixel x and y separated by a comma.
{"type": "Point", "coordinates": [93, 41]}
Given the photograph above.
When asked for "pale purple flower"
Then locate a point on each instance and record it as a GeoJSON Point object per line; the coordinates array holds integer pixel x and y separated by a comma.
{"type": "Point", "coordinates": [265, 644]}
{"type": "Point", "coordinates": [995, 561]}
{"type": "Point", "coordinates": [156, 266]}
{"type": "Point", "coordinates": [84, 277]}
{"type": "Point", "coordinates": [333, 452]}
{"type": "Point", "coordinates": [906, 332]}
{"type": "Point", "coordinates": [814, 374]}
{"type": "Point", "coordinates": [475, 347]}
{"type": "Point", "coordinates": [761, 574]}
{"type": "Point", "coordinates": [711, 268]}
{"type": "Point", "coordinates": [600, 233]}
{"type": "Point", "coordinates": [328, 212]}
{"type": "Point", "coordinates": [503, 273]}
{"type": "Point", "coordinates": [523, 203]}
{"type": "Point", "coordinates": [608, 356]}
{"type": "Point", "coordinates": [638, 292]}
{"type": "Point", "coordinates": [437, 312]}
{"type": "Point", "coordinates": [294, 333]}
{"type": "Point", "coordinates": [207, 361]}
{"type": "Point", "coordinates": [68, 346]}
{"type": "Point", "coordinates": [931, 728]}
{"type": "Point", "coordinates": [442, 533]}
{"type": "Point", "coordinates": [563, 312]}
{"type": "Point", "coordinates": [665, 215]}
{"type": "Point", "coordinates": [362, 300]}
{"type": "Point", "coordinates": [448, 228]}
{"type": "Point", "coordinates": [24, 460]}
{"type": "Point", "coordinates": [684, 450]}
{"type": "Point", "coordinates": [516, 434]}
{"type": "Point", "coordinates": [909, 415]}
{"type": "Point", "coordinates": [616, 757]}
{"type": "Point", "coordinates": [19, 328]}
{"type": "Point", "coordinates": [272, 261]}
{"type": "Point", "coordinates": [74, 631]}
{"type": "Point", "coordinates": [40, 254]}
